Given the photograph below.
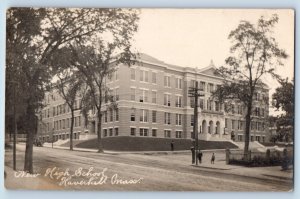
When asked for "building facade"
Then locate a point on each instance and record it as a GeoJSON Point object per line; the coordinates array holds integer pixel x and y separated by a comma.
{"type": "Point", "coordinates": [153, 101]}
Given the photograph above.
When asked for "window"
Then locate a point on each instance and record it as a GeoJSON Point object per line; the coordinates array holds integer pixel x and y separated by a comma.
{"type": "Point", "coordinates": [232, 124]}
{"type": "Point", "coordinates": [232, 109]}
{"type": "Point", "coordinates": [117, 114]}
{"type": "Point", "coordinates": [144, 115]}
{"type": "Point", "coordinates": [167, 133]}
{"type": "Point", "coordinates": [201, 103]}
{"type": "Point", "coordinates": [252, 138]}
{"type": "Point", "coordinates": [192, 120]}
{"type": "Point", "coordinates": [257, 112]}
{"type": "Point", "coordinates": [144, 95]}
{"type": "Point", "coordinates": [167, 81]}
{"type": "Point", "coordinates": [167, 118]}
{"type": "Point", "coordinates": [217, 106]}
{"type": "Point", "coordinates": [240, 109]}
{"type": "Point", "coordinates": [193, 83]}
{"type": "Point", "coordinates": [263, 138]}
{"type": "Point", "coordinates": [226, 123]}
{"type": "Point", "coordinates": [154, 116]}
{"type": "Point", "coordinates": [63, 124]}
{"type": "Point", "coordinates": [154, 97]}
{"type": "Point", "coordinates": [202, 86]}
{"type": "Point", "coordinates": [209, 105]}
{"type": "Point", "coordinates": [240, 138]}
{"type": "Point", "coordinates": [132, 115]}
{"type": "Point", "coordinates": [53, 111]}
{"type": "Point", "coordinates": [192, 102]}
{"type": "Point", "coordinates": [262, 114]}
{"type": "Point", "coordinates": [104, 132]}
{"type": "Point", "coordinates": [60, 124]}
{"type": "Point", "coordinates": [210, 87]}
{"type": "Point", "coordinates": [143, 76]}
{"type": "Point", "coordinates": [132, 73]}
{"type": "Point", "coordinates": [116, 131]}
{"type": "Point", "coordinates": [167, 99]}
{"type": "Point", "coordinates": [117, 94]}
{"type": "Point", "coordinates": [178, 84]}
{"type": "Point", "coordinates": [105, 116]}
{"type": "Point", "coordinates": [68, 124]}
{"type": "Point", "coordinates": [257, 138]}
{"type": "Point", "coordinates": [110, 132]}
{"type": "Point", "coordinates": [132, 131]}
{"type": "Point", "coordinates": [240, 125]}
{"type": "Point", "coordinates": [132, 94]}
{"type": "Point", "coordinates": [178, 119]}
{"type": "Point", "coordinates": [154, 132]}
{"type": "Point", "coordinates": [178, 134]}
{"type": "Point", "coordinates": [154, 77]}
{"type": "Point", "coordinates": [143, 132]}
{"type": "Point", "coordinates": [111, 118]}
{"type": "Point", "coordinates": [79, 120]}
{"type": "Point", "coordinates": [178, 101]}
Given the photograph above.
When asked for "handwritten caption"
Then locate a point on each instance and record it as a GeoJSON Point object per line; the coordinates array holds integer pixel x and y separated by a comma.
{"type": "Point", "coordinates": [81, 177]}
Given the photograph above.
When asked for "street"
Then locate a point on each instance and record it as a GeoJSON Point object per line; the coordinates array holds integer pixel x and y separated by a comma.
{"type": "Point", "coordinates": [63, 169]}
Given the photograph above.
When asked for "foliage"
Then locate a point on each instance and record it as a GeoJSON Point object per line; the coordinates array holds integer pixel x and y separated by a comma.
{"type": "Point", "coordinates": [254, 53]}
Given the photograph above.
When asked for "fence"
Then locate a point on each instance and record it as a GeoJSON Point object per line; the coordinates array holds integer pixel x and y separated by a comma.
{"type": "Point", "coordinates": [271, 157]}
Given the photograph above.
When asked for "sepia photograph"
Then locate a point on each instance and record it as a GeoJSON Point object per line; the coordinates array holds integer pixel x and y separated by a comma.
{"type": "Point", "coordinates": [136, 99]}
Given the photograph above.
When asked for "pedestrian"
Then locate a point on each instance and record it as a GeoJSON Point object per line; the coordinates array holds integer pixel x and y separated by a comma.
{"type": "Point", "coordinates": [193, 154]}
{"type": "Point", "coordinates": [172, 145]}
{"type": "Point", "coordinates": [200, 157]}
{"type": "Point", "coordinates": [213, 159]}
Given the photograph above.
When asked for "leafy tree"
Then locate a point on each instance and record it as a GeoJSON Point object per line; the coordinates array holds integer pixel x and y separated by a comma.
{"type": "Point", "coordinates": [283, 99]}
{"type": "Point", "coordinates": [254, 53]}
{"type": "Point", "coordinates": [33, 36]}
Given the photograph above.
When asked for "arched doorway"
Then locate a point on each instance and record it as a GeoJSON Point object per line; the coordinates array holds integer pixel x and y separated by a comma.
{"type": "Point", "coordinates": [204, 126]}
{"type": "Point", "coordinates": [210, 127]}
{"type": "Point", "coordinates": [218, 128]}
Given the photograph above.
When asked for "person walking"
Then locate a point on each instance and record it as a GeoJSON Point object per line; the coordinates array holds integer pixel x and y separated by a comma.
{"type": "Point", "coordinates": [212, 159]}
{"type": "Point", "coordinates": [193, 154]}
{"type": "Point", "coordinates": [172, 145]}
{"type": "Point", "coordinates": [200, 157]}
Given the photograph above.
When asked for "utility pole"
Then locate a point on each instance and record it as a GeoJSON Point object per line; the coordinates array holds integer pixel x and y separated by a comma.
{"type": "Point", "coordinates": [195, 93]}
{"type": "Point", "coordinates": [15, 131]}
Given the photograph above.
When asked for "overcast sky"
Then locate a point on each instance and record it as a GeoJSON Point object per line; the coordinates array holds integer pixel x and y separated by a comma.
{"type": "Point", "coordinates": [194, 37]}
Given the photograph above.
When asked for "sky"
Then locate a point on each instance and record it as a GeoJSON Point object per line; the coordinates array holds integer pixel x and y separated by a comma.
{"type": "Point", "coordinates": [194, 37]}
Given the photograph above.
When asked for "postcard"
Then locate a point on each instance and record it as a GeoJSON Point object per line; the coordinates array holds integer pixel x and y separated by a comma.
{"type": "Point", "coordinates": [134, 99]}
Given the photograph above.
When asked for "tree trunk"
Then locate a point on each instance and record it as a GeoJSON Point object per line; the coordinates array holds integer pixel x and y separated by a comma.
{"type": "Point", "coordinates": [247, 133]}
{"type": "Point", "coordinates": [100, 146]}
{"type": "Point", "coordinates": [71, 129]}
{"type": "Point", "coordinates": [31, 131]}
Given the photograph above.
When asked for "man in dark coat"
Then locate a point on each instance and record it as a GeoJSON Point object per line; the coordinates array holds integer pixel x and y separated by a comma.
{"type": "Point", "coordinates": [193, 154]}
{"type": "Point", "coordinates": [200, 157]}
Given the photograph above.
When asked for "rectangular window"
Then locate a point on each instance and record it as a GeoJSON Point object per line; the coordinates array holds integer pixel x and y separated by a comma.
{"type": "Point", "coordinates": [178, 101]}
{"type": "Point", "coordinates": [154, 116]}
{"type": "Point", "coordinates": [132, 73]}
{"type": "Point", "coordinates": [111, 118]}
{"type": "Point", "coordinates": [117, 94]}
{"type": "Point", "coordinates": [154, 77]}
{"type": "Point", "coordinates": [144, 115]}
{"type": "Point", "coordinates": [226, 123]}
{"type": "Point", "coordinates": [210, 87]}
{"type": "Point", "coordinates": [178, 119]}
{"type": "Point", "coordinates": [132, 115]}
{"type": "Point", "coordinates": [232, 124]}
{"type": "Point", "coordinates": [209, 105]}
{"type": "Point", "coordinates": [240, 138]}
{"type": "Point", "coordinates": [143, 95]}
{"type": "Point", "coordinates": [167, 99]}
{"type": "Point", "coordinates": [53, 111]}
{"type": "Point", "coordinates": [132, 94]}
{"type": "Point", "coordinates": [154, 132]}
{"type": "Point", "coordinates": [104, 132]}
{"type": "Point", "coordinates": [192, 102]}
{"type": "Point", "coordinates": [167, 118]}
{"type": "Point", "coordinates": [63, 124]}
{"type": "Point", "coordinates": [201, 103]}
{"type": "Point", "coordinates": [143, 132]}
{"type": "Point", "coordinates": [117, 114]}
{"type": "Point", "coordinates": [132, 131]}
{"type": "Point", "coordinates": [110, 132]}
{"type": "Point", "coordinates": [178, 134]}
{"type": "Point", "coordinates": [178, 82]}
{"type": "Point", "coordinates": [217, 106]}
{"type": "Point", "coordinates": [154, 97]}
{"type": "Point", "coordinates": [202, 86]}
{"type": "Point", "coordinates": [167, 133]}
{"type": "Point", "coordinates": [193, 83]}
{"type": "Point", "coordinates": [167, 81]}
{"type": "Point", "coordinates": [105, 116]}
{"type": "Point", "coordinates": [143, 76]}
{"type": "Point", "coordinates": [116, 131]}
{"type": "Point", "coordinates": [192, 120]}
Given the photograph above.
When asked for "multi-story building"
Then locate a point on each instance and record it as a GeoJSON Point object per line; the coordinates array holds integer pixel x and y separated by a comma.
{"type": "Point", "coordinates": [153, 101]}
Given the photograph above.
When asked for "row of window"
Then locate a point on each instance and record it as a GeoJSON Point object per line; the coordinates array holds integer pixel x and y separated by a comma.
{"type": "Point", "coordinates": [60, 109]}
{"type": "Point", "coordinates": [240, 125]}
{"type": "Point", "coordinates": [62, 124]}
{"type": "Point", "coordinates": [257, 138]}
{"type": "Point", "coordinates": [146, 132]}
{"type": "Point", "coordinates": [111, 132]}
{"type": "Point", "coordinates": [111, 115]}
{"type": "Point", "coordinates": [144, 116]}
